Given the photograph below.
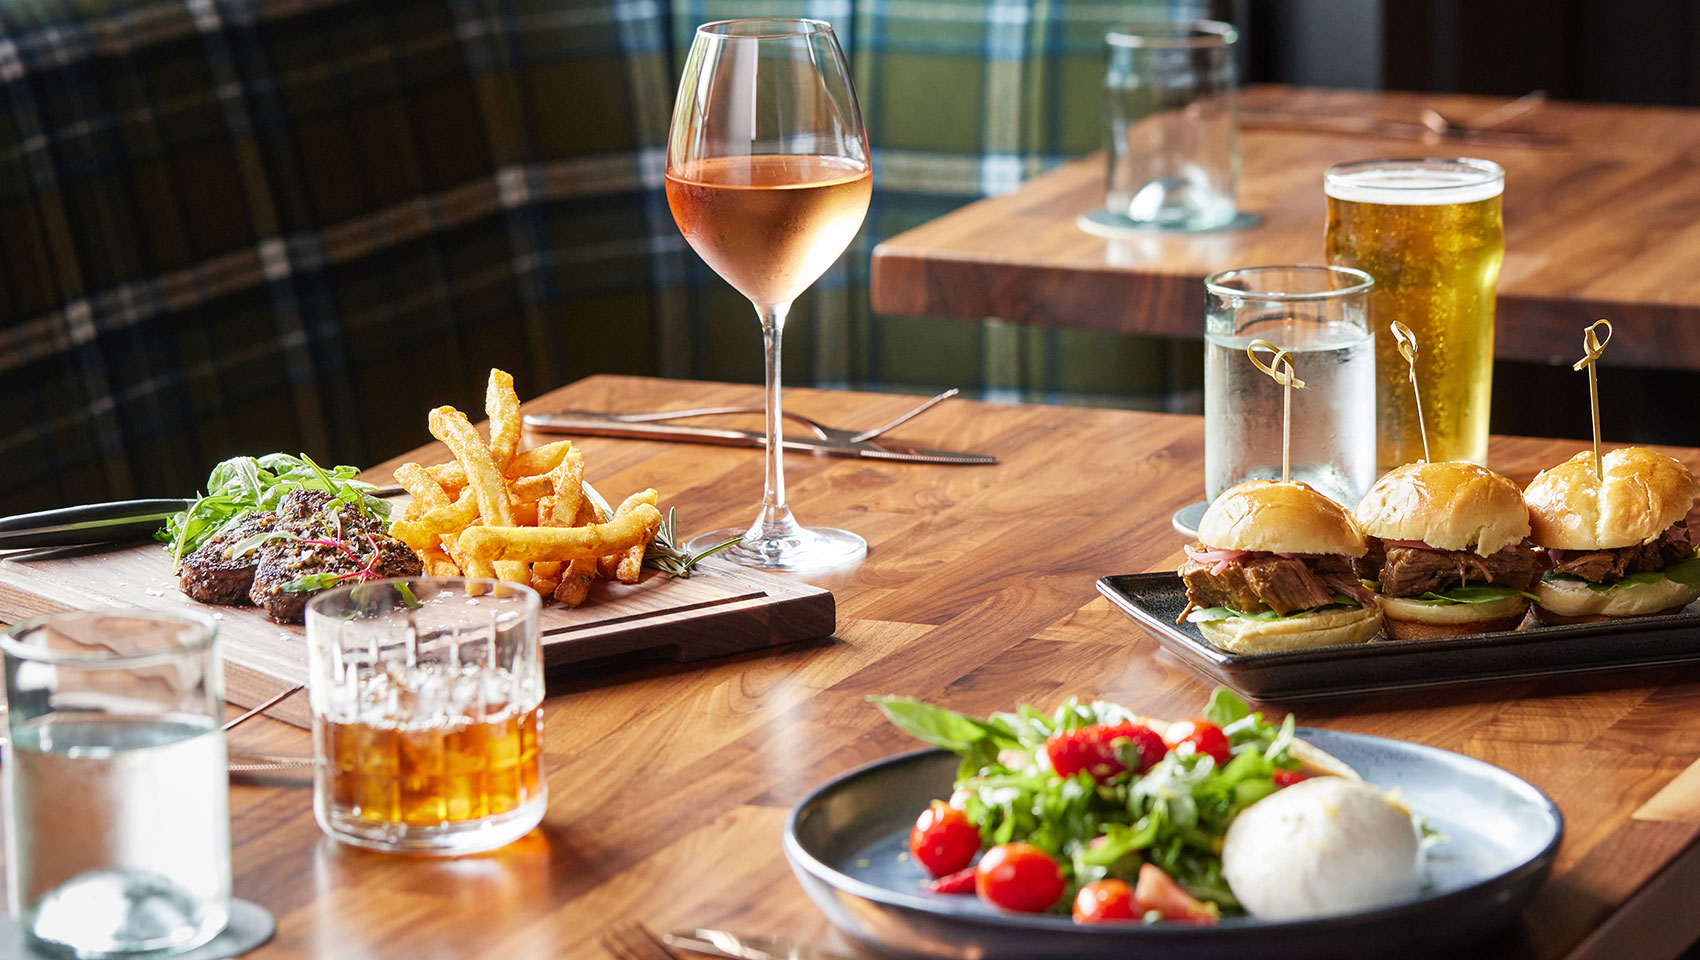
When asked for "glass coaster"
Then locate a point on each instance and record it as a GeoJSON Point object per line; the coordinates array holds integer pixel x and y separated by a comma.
{"type": "Point", "coordinates": [1186, 519]}
{"type": "Point", "coordinates": [250, 926]}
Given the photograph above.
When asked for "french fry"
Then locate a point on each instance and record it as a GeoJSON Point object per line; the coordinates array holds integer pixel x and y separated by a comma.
{"type": "Point", "coordinates": [513, 571]}
{"type": "Point", "coordinates": [437, 563]}
{"type": "Point", "coordinates": [413, 511]}
{"type": "Point", "coordinates": [451, 426]}
{"type": "Point", "coordinates": [501, 405]}
{"type": "Point", "coordinates": [568, 480]}
{"type": "Point", "coordinates": [422, 533]}
{"type": "Point", "coordinates": [421, 486]}
{"type": "Point", "coordinates": [627, 566]}
{"type": "Point", "coordinates": [526, 463]}
{"type": "Point", "coordinates": [532, 544]}
{"type": "Point", "coordinates": [575, 583]}
{"type": "Point", "coordinates": [525, 514]}
{"type": "Point", "coordinates": [531, 489]}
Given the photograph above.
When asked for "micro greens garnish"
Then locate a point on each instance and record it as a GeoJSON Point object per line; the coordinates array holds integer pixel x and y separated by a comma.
{"type": "Point", "coordinates": [320, 581]}
{"type": "Point", "coordinates": [664, 554]}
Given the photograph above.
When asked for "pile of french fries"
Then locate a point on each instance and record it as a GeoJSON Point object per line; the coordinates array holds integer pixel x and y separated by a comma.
{"type": "Point", "coordinates": [523, 516]}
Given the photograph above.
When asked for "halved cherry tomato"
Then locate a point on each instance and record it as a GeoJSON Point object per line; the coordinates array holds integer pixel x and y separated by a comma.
{"type": "Point", "coordinates": [962, 881]}
{"type": "Point", "coordinates": [1019, 876]}
{"type": "Point", "coordinates": [1158, 891]}
{"type": "Point", "coordinates": [1206, 738]}
{"type": "Point", "coordinates": [1286, 778]}
{"type": "Point", "coordinates": [1093, 749]}
{"type": "Point", "coordinates": [943, 840]}
{"type": "Point", "coordinates": [1105, 901]}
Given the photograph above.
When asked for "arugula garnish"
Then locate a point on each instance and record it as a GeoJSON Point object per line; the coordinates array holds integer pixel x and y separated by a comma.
{"type": "Point", "coordinates": [1473, 593]}
{"type": "Point", "coordinates": [1685, 572]}
{"type": "Point", "coordinates": [241, 485]}
{"type": "Point", "coordinates": [1213, 614]}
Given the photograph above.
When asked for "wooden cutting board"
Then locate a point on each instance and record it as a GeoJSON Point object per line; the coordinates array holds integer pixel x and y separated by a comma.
{"type": "Point", "coordinates": [723, 609]}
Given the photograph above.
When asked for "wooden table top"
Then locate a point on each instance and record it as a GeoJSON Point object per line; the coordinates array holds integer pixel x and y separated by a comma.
{"type": "Point", "coordinates": [668, 784]}
{"type": "Point", "coordinates": [1607, 225]}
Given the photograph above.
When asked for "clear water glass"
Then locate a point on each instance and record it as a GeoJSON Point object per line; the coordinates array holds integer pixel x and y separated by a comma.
{"type": "Point", "coordinates": [1171, 125]}
{"type": "Point", "coordinates": [1321, 316]}
{"type": "Point", "coordinates": [117, 795]}
{"type": "Point", "coordinates": [427, 714]}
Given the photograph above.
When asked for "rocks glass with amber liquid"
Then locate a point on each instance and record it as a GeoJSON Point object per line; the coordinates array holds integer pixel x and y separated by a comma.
{"type": "Point", "coordinates": [427, 714]}
{"type": "Point", "coordinates": [117, 796]}
{"type": "Point", "coordinates": [768, 179]}
{"type": "Point", "coordinates": [1429, 232]}
{"type": "Point", "coordinates": [1320, 315]}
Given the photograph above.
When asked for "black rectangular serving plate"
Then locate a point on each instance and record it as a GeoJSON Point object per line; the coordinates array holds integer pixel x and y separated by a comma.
{"type": "Point", "coordinates": [1154, 600]}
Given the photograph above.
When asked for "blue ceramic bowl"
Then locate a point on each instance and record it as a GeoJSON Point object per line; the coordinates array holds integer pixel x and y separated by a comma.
{"type": "Point", "coordinates": [847, 841]}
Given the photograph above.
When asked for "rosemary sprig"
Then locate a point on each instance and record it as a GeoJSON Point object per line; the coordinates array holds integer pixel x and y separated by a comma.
{"type": "Point", "coordinates": [665, 555]}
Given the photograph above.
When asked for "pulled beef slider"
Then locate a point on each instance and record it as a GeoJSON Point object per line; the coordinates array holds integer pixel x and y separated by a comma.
{"type": "Point", "coordinates": [1626, 533]}
{"type": "Point", "coordinates": [1278, 549]}
{"type": "Point", "coordinates": [1449, 546]}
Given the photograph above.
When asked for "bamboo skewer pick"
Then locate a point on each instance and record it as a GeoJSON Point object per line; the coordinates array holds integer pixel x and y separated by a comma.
{"type": "Point", "coordinates": [1286, 379]}
{"type": "Point", "coordinates": [1407, 342]}
{"type": "Point", "coordinates": [1594, 347]}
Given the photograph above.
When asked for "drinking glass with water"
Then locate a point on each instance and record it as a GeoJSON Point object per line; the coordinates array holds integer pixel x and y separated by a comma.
{"type": "Point", "coordinates": [117, 796]}
{"type": "Point", "coordinates": [1320, 315]}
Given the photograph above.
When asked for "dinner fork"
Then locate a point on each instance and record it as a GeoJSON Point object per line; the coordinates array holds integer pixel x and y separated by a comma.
{"type": "Point", "coordinates": [821, 430]}
{"type": "Point", "coordinates": [633, 941]}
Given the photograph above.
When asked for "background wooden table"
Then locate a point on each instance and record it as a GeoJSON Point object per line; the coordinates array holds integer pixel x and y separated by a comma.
{"type": "Point", "coordinates": [669, 784]}
{"type": "Point", "coordinates": [1607, 225]}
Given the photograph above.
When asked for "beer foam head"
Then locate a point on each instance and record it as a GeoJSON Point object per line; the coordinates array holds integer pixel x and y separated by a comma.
{"type": "Point", "coordinates": [1414, 182]}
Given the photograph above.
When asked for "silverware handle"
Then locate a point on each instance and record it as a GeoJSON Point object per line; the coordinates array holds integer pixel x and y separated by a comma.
{"type": "Point", "coordinates": [598, 427]}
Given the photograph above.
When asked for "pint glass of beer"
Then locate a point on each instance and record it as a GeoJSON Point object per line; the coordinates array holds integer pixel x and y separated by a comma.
{"type": "Point", "coordinates": [1429, 232]}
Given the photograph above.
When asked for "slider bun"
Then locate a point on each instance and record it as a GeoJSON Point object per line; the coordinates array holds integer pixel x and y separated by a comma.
{"type": "Point", "coordinates": [1451, 505]}
{"type": "Point", "coordinates": [1411, 620]}
{"type": "Point", "coordinates": [1571, 601]}
{"type": "Point", "coordinates": [1280, 518]}
{"type": "Point", "coordinates": [1331, 629]}
{"type": "Point", "coordinates": [1642, 494]}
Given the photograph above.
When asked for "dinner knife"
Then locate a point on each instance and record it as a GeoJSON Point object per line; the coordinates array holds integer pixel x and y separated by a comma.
{"type": "Point", "coordinates": [724, 943]}
{"type": "Point", "coordinates": [112, 522]}
{"type": "Point", "coordinates": [586, 423]}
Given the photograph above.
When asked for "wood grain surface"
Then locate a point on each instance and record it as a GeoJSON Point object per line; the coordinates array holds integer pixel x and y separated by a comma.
{"type": "Point", "coordinates": [669, 783]}
{"type": "Point", "coordinates": [725, 609]}
{"type": "Point", "coordinates": [1606, 225]}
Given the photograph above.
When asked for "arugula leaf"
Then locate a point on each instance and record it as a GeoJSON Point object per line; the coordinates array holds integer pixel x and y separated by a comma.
{"type": "Point", "coordinates": [956, 732]}
{"type": "Point", "coordinates": [1212, 614]}
{"type": "Point", "coordinates": [1225, 707]}
{"type": "Point", "coordinates": [1476, 593]}
{"type": "Point", "coordinates": [240, 485]}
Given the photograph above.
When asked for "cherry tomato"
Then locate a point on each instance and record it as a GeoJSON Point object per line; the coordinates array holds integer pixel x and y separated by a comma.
{"type": "Point", "coordinates": [1206, 738]}
{"type": "Point", "coordinates": [943, 840]}
{"type": "Point", "coordinates": [1158, 891]}
{"type": "Point", "coordinates": [1019, 876]}
{"type": "Point", "coordinates": [1093, 749]}
{"type": "Point", "coordinates": [962, 881]}
{"type": "Point", "coordinates": [1286, 778]}
{"type": "Point", "coordinates": [1105, 901]}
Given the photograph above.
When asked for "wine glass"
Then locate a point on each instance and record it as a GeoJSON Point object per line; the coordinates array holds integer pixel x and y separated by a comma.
{"type": "Point", "coordinates": [768, 179]}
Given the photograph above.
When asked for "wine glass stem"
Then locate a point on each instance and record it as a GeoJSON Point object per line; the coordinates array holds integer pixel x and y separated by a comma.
{"type": "Point", "coordinates": [775, 521]}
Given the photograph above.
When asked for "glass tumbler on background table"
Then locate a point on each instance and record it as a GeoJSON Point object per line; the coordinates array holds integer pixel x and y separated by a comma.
{"type": "Point", "coordinates": [1429, 231]}
{"type": "Point", "coordinates": [1171, 126]}
{"type": "Point", "coordinates": [427, 714]}
{"type": "Point", "coordinates": [117, 796]}
{"type": "Point", "coordinates": [1320, 315]}
{"type": "Point", "coordinates": [768, 179]}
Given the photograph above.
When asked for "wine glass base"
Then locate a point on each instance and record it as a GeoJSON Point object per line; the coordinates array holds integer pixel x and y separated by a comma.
{"type": "Point", "coordinates": [809, 548]}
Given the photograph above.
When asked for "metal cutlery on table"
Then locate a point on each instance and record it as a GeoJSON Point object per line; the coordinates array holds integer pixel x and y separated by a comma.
{"type": "Point", "coordinates": [735, 946]}
{"type": "Point", "coordinates": [831, 441]}
{"type": "Point", "coordinates": [1431, 124]}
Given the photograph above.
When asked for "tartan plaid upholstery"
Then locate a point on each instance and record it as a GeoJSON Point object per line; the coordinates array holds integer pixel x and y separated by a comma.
{"type": "Point", "coordinates": [234, 226]}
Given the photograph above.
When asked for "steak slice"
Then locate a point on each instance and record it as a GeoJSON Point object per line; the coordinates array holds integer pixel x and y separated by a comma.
{"type": "Point", "coordinates": [1604, 566]}
{"type": "Point", "coordinates": [212, 575]}
{"type": "Point", "coordinates": [325, 536]}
